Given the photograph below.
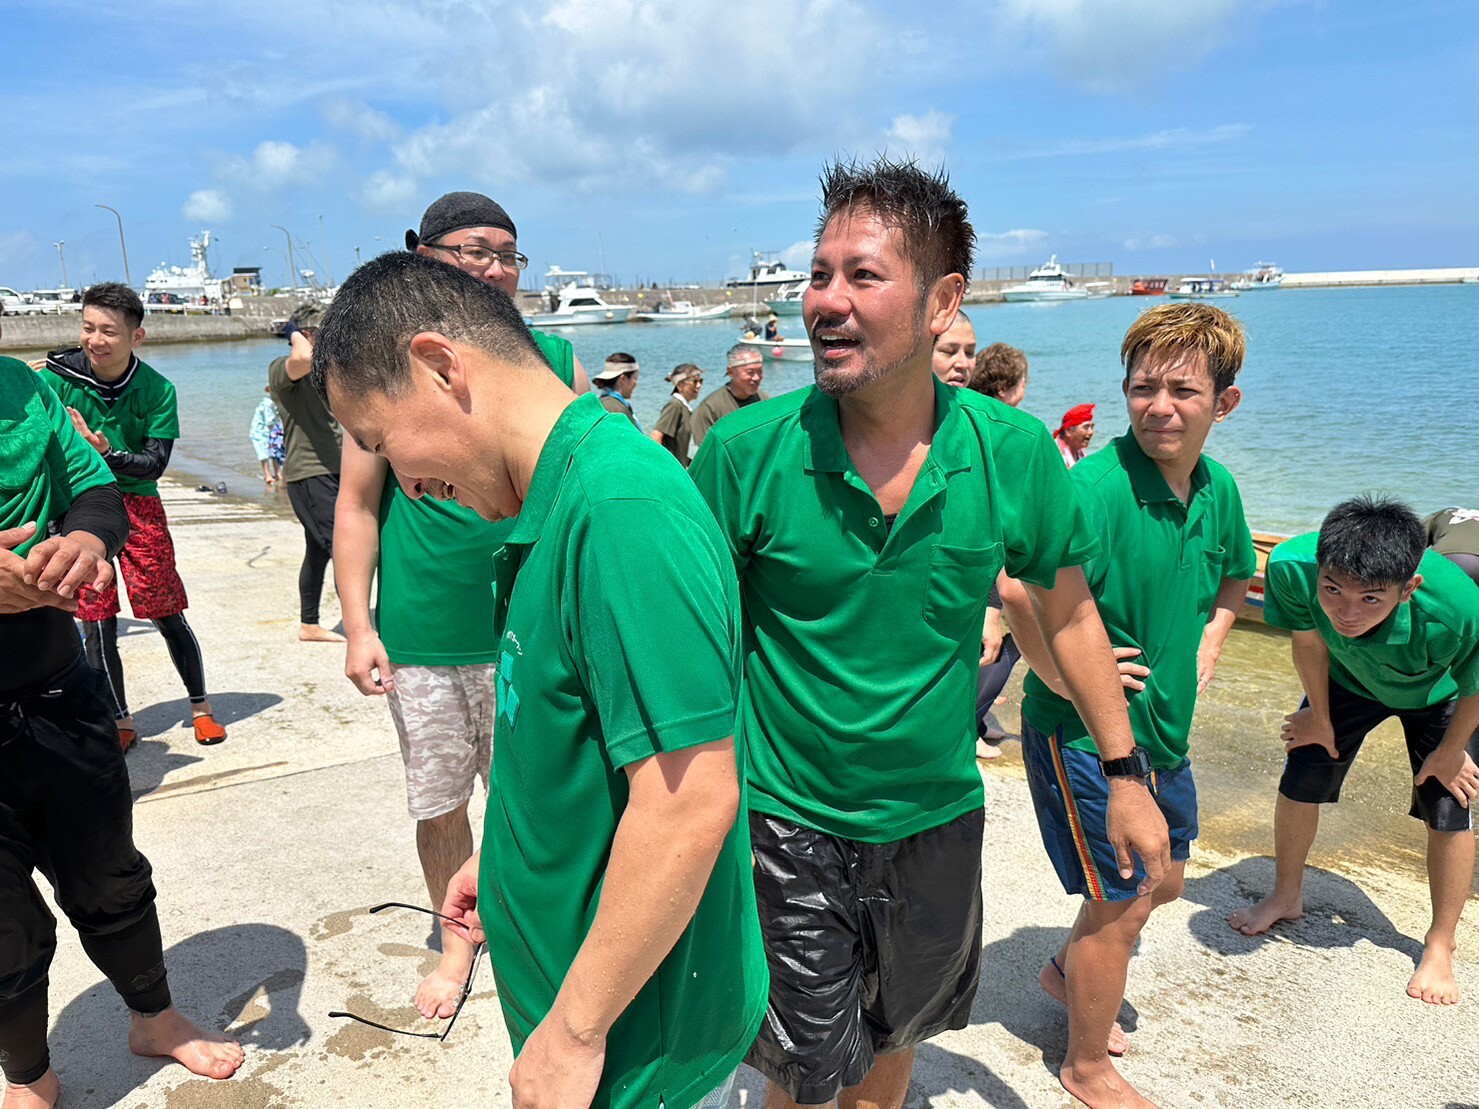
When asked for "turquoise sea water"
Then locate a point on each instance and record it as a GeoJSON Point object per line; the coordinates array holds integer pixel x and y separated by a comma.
{"type": "Point", "coordinates": [1345, 390]}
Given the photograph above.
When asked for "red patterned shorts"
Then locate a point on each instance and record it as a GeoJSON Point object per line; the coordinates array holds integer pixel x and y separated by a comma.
{"type": "Point", "coordinates": [147, 563]}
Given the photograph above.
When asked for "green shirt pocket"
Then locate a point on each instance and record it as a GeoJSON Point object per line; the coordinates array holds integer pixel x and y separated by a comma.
{"type": "Point", "coordinates": [959, 580]}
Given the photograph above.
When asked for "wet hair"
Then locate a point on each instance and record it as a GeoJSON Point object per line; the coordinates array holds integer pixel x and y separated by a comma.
{"type": "Point", "coordinates": [937, 236]}
{"type": "Point", "coordinates": [999, 369]}
{"type": "Point", "coordinates": [1376, 540]}
{"type": "Point", "coordinates": [116, 297]}
{"type": "Point", "coordinates": [1191, 327]}
{"type": "Point", "coordinates": [364, 340]}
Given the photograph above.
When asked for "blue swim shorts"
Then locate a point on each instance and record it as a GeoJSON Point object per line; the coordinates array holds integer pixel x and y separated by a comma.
{"type": "Point", "coordinates": [1071, 796]}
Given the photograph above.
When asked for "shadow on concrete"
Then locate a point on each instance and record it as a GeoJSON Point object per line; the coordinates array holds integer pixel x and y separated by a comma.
{"type": "Point", "coordinates": [1337, 913]}
{"type": "Point", "coordinates": [150, 762]}
{"type": "Point", "coordinates": [245, 979]}
{"type": "Point", "coordinates": [1011, 996]}
{"type": "Point", "coordinates": [938, 1072]}
{"type": "Point", "coordinates": [229, 708]}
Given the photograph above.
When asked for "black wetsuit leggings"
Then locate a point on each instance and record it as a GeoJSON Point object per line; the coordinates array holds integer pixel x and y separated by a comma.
{"type": "Point", "coordinates": [101, 641]}
{"type": "Point", "coordinates": [67, 811]}
{"type": "Point", "coordinates": [313, 500]}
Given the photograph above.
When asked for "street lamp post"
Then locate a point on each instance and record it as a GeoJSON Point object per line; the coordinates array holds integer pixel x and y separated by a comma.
{"type": "Point", "coordinates": [127, 277]}
{"type": "Point", "coordinates": [292, 266]}
{"type": "Point", "coordinates": [63, 257]}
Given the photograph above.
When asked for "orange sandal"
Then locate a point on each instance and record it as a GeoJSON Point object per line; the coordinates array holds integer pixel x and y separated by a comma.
{"type": "Point", "coordinates": [127, 737]}
{"type": "Point", "coordinates": [207, 731]}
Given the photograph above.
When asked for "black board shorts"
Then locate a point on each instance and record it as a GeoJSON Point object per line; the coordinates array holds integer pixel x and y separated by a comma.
{"type": "Point", "coordinates": [1313, 777]}
{"type": "Point", "coordinates": [872, 947]}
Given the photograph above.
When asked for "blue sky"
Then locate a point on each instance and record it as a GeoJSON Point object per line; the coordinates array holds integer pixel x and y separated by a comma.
{"type": "Point", "coordinates": [668, 137]}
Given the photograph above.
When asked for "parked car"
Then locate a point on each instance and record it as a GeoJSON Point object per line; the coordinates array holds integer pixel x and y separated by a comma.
{"type": "Point", "coordinates": [13, 303]}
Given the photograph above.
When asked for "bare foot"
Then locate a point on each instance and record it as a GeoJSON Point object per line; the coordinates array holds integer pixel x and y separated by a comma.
{"type": "Point", "coordinates": [1254, 919]}
{"type": "Point", "coordinates": [1433, 981]}
{"type": "Point", "coordinates": [1099, 1086]}
{"type": "Point", "coordinates": [41, 1094]}
{"type": "Point", "coordinates": [170, 1035]}
{"type": "Point", "coordinates": [987, 751]}
{"type": "Point", "coordinates": [313, 633]}
{"type": "Point", "coordinates": [436, 997]}
{"type": "Point", "coordinates": [1054, 985]}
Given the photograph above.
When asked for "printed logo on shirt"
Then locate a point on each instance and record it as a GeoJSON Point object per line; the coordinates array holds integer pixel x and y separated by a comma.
{"type": "Point", "coordinates": [508, 698]}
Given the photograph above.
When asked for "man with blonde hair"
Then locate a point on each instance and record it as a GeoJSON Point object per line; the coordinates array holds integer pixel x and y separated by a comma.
{"type": "Point", "coordinates": [1168, 580]}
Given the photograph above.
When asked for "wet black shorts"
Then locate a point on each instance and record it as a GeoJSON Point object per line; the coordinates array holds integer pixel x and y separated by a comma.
{"type": "Point", "coordinates": [873, 947]}
{"type": "Point", "coordinates": [1312, 776]}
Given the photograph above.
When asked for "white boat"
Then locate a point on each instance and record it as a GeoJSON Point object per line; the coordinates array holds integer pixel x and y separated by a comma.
{"type": "Point", "coordinates": [1202, 288]}
{"type": "Point", "coordinates": [1264, 275]}
{"type": "Point", "coordinates": [1047, 282]}
{"type": "Point", "coordinates": [176, 286]}
{"type": "Point", "coordinates": [575, 302]}
{"type": "Point", "coordinates": [788, 301]}
{"type": "Point", "coordinates": [681, 311]}
{"type": "Point", "coordinates": [767, 271]}
{"type": "Point", "coordinates": [781, 350]}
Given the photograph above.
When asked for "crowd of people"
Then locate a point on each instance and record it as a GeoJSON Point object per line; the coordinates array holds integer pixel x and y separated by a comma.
{"type": "Point", "coordinates": [744, 823]}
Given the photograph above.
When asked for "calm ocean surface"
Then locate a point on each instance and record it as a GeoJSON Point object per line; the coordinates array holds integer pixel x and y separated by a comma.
{"type": "Point", "coordinates": [1345, 390]}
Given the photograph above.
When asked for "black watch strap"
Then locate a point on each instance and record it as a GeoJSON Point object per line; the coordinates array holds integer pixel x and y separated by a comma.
{"type": "Point", "coordinates": [1134, 765]}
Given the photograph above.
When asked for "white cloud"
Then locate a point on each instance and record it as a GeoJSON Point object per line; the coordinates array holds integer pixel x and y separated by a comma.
{"type": "Point", "coordinates": [1121, 46]}
{"type": "Point", "coordinates": [359, 119]}
{"type": "Point", "coordinates": [1170, 139]}
{"type": "Point", "coordinates": [17, 247]}
{"type": "Point", "coordinates": [275, 164]}
{"type": "Point", "coordinates": [798, 254]}
{"type": "Point", "coordinates": [390, 193]}
{"type": "Point", "coordinates": [923, 137]}
{"type": "Point", "coordinates": [996, 244]}
{"type": "Point", "coordinates": [207, 205]}
{"type": "Point", "coordinates": [1153, 242]}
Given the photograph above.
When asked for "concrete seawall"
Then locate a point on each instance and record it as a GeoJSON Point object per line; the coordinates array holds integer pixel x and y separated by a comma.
{"type": "Point", "coordinates": [49, 332]}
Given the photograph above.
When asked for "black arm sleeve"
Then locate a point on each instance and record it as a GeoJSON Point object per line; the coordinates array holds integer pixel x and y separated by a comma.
{"type": "Point", "coordinates": [993, 599]}
{"type": "Point", "coordinates": [99, 511]}
{"type": "Point", "coordinates": [147, 464]}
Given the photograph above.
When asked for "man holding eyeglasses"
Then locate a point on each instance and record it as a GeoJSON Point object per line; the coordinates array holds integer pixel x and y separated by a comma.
{"type": "Point", "coordinates": [430, 647]}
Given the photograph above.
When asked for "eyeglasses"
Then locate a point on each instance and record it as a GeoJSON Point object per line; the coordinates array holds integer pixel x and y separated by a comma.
{"type": "Point", "coordinates": [477, 957]}
{"type": "Point", "coordinates": [479, 255]}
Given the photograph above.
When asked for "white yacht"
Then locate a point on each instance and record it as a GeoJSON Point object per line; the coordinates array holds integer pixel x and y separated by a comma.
{"type": "Point", "coordinates": [180, 285]}
{"type": "Point", "coordinates": [787, 302]}
{"type": "Point", "coordinates": [1047, 282]}
{"type": "Point", "coordinates": [573, 300]}
{"type": "Point", "coordinates": [767, 272]}
{"type": "Point", "coordinates": [1202, 288]}
{"type": "Point", "coordinates": [1264, 275]}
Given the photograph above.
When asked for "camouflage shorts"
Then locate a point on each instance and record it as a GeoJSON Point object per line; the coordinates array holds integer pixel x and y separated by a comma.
{"type": "Point", "coordinates": [444, 718]}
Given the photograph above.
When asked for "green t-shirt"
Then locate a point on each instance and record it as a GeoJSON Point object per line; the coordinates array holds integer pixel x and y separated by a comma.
{"type": "Point", "coordinates": [146, 410]}
{"type": "Point", "coordinates": [435, 596]}
{"type": "Point", "coordinates": [862, 643]}
{"type": "Point", "coordinates": [1154, 579]}
{"type": "Point", "coordinates": [44, 463]}
{"type": "Point", "coordinates": [619, 638]}
{"type": "Point", "coordinates": [1426, 652]}
{"type": "Point", "coordinates": [311, 439]}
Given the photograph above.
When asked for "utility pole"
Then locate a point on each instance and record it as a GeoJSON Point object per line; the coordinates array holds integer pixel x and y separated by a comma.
{"type": "Point", "coordinates": [292, 266]}
{"type": "Point", "coordinates": [63, 257]}
{"type": "Point", "coordinates": [323, 237]}
{"type": "Point", "coordinates": [127, 278]}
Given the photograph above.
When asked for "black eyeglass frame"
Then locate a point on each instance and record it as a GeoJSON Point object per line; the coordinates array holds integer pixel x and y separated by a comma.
{"type": "Point", "coordinates": [520, 261]}
{"type": "Point", "coordinates": [461, 999]}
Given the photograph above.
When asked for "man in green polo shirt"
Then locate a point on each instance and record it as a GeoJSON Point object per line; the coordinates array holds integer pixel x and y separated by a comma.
{"type": "Point", "coordinates": [613, 883]}
{"type": "Point", "coordinates": [868, 517]}
{"type": "Point", "coordinates": [1381, 627]}
{"type": "Point", "coordinates": [1172, 570]}
{"type": "Point", "coordinates": [431, 647]}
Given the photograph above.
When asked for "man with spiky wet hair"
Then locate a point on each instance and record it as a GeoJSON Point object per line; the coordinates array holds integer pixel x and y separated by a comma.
{"type": "Point", "coordinates": [867, 518]}
{"type": "Point", "coordinates": [1381, 627]}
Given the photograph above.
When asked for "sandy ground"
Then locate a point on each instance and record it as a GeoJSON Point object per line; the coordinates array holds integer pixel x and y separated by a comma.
{"type": "Point", "coordinates": [269, 849]}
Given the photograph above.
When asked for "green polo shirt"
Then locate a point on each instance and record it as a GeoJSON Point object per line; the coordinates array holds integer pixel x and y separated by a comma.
{"type": "Point", "coordinates": [619, 638]}
{"type": "Point", "coordinates": [146, 410]}
{"type": "Point", "coordinates": [1426, 652]}
{"type": "Point", "coordinates": [434, 605]}
{"type": "Point", "coordinates": [862, 642]}
{"type": "Point", "coordinates": [44, 464]}
{"type": "Point", "coordinates": [1154, 580]}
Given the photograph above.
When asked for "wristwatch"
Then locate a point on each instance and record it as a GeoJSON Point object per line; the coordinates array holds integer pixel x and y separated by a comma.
{"type": "Point", "coordinates": [1134, 765]}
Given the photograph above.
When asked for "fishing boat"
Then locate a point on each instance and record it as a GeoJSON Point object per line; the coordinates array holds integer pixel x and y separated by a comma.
{"type": "Point", "coordinates": [1049, 282]}
{"type": "Point", "coordinates": [1202, 288]}
{"type": "Point", "coordinates": [1148, 287]}
{"type": "Point", "coordinates": [781, 350]}
{"type": "Point", "coordinates": [1264, 275]}
{"type": "Point", "coordinates": [1252, 608]}
{"type": "Point", "coordinates": [681, 311]}
{"type": "Point", "coordinates": [767, 272]}
{"type": "Point", "coordinates": [788, 301]}
{"type": "Point", "coordinates": [573, 300]}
